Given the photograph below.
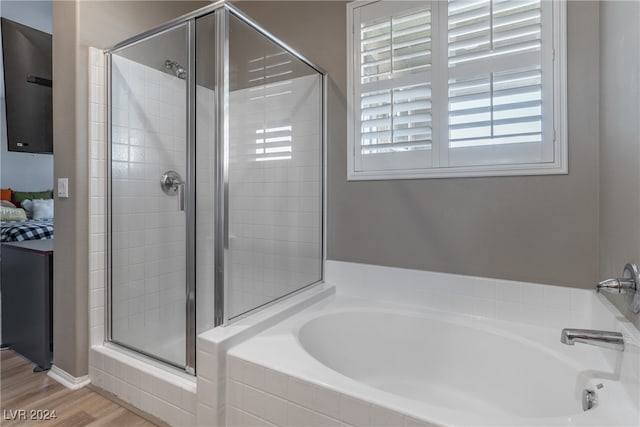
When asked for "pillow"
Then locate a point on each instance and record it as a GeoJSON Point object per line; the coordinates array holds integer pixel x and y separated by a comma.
{"type": "Point", "coordinates": [27, 205]}
{"type": "Point", "coordinates": [19, 196]}
{"type": "Point", "coordinates": [7, 204]}
{"type": "Point", "coordinates": [42, 209]}
{"type": "Point", "coordinates": [5, 194]}
{"type": "Point", "coordinates": [12, 214]}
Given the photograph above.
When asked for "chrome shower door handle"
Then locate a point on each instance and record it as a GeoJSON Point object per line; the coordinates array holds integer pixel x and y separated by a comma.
{"type": "Point", "coordinates": [181, 196]}
{"type": "Point", "coordinates": [171, 183]}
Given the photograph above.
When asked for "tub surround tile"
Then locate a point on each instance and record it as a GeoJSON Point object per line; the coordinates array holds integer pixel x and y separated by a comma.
{"type": "Point", "coordinates": [355, 412]}
{"type": "Point", "coordinates": [275, 410]}
{"type": "Point", "coordinates": [208, 416]}
{"type": "Point", "coordinates": [235, 368]}
{"type": "Point", "coordinates": [275, 383]}
{"type": "Point", "coordinates": [299, 416]}
{"type": "Point", "coordinates": [254, 400]}
{"type": "Point", "coordinates": [412, 422]}
{"type": "Point", "coordinates": [484, 308]}
{"type": "Point", "coordinates": [381, 417]}
{"type": "Point", "coordinates": [253, 375]}
{"type": "Point", "coordinates": [208, 391]}
{"type": "Point", "coordinates": [214, 344]}
{"type": "Point", "coordinates": [157, 390]}
{"type": "Point", "coordinates": [305, 404]}
{"type": "Point", "coordinates": [234, 393]}
{"type": "Point", "coordinates": [344, 272]}
{"type": "Point", "coordinates": [238, 418]}
{"type": "Point", "coordinates": [207, 364]}
{"type": "Point", "coordinates": [300, 392]}
{"type": "Point", "coordinates": [326, 402]}
{"type": "Point", "coordinates": [464, 304]}
{"type": "Point", "coordinates": [534, 304]}
{"type": "Point", "coordinates": [556, 297]}
{"type": "Point", "coordinates": [509, 292]}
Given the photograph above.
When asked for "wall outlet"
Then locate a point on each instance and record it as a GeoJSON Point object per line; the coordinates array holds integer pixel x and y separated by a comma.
{"type": "Point", "coordinates": [63, 187]}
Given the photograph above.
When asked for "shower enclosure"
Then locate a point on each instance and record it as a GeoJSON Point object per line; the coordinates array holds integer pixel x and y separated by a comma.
{"type": "Point", "coordinates": [215, 179]}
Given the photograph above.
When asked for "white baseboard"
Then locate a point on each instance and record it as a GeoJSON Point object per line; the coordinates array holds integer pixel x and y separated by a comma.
{"type": "Point", "coordinates": [68, 380]}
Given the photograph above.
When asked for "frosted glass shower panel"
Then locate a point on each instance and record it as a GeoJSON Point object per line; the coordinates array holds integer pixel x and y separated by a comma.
{"type": "Point", "coordinates": [149, 134]}
{"type": "Point", "coordinates": [275, 178]}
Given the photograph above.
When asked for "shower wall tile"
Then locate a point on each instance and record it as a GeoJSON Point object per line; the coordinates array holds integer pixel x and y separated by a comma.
{"type": "Point", "coordinates": [97, 154]}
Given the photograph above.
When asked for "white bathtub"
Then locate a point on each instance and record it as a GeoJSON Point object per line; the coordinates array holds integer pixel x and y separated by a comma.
{"type": "Point", "coordinates": [457, 370]}
{"type": "Point", "coordinates": [361, 361]}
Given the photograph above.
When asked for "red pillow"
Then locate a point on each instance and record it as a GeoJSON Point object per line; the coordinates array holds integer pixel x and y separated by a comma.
{"type": "Point", "coordinates": [5, 194]}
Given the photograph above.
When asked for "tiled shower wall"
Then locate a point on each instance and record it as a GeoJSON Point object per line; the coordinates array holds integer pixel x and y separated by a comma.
{"type": "Point", "coordinates": [149, 229]}
{"type": "Point", "coordinates": [275, 192]}
{"type": "Point", "coordinates": [97, 193]}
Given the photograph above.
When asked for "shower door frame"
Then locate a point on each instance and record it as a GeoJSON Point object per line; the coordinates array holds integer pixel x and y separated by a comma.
{"type": "Point", "coordinates": [190, 262]}
{"type": "Point", "coordinates": [222, 12]}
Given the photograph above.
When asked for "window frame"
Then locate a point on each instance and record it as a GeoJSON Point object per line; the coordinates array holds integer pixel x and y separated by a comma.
{"type": "Point", "coordinates": [439, 151]}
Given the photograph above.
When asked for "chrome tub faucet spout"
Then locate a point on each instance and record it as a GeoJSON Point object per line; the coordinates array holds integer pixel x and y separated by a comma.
{"type": "Point", "coordinates": [612, 340]}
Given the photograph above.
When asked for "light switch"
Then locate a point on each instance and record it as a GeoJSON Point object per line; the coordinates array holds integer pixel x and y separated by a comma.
{"type": "Point", "coordinates": [63, 187]}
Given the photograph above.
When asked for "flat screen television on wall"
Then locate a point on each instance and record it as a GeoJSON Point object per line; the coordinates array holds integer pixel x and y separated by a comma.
{"type": "Point", "coordinates": [26, 54]}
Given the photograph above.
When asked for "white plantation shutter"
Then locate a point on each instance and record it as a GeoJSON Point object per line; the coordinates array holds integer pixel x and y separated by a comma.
{"type": "Point", "coordinates": [495, 83]}
{"type": "Point", "coordinates": [392, 88]}
{"type": "Point", "coordinates": [457, 88]}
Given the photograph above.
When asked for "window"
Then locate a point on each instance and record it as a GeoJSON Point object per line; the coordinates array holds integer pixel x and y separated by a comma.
{"type": "Point", "coordinates": [457, 88]}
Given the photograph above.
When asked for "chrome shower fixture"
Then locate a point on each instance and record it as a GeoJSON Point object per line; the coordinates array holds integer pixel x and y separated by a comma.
{"type": "Point", "coordinates": [177, 69]}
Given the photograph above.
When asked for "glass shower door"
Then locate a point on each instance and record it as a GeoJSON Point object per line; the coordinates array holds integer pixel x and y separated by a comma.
{"type": "Point", "coordinates": [149, 195]}
{"type": "Point", "coordinates": [274, 172]}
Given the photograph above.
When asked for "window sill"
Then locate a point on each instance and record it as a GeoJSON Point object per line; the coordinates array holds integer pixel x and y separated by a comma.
{"type": "Point", "coordinates": [462, 172]}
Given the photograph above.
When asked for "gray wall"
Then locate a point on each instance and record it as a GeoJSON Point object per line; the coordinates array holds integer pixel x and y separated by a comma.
{"type": "Point", "coordinates": [538, 229]}
{"type": "Point", "coordinates": [76, 26]}
{"type": "Point", "coordinates": [23, 171]}
{"type": "Point", "coordinates": [620, 140]}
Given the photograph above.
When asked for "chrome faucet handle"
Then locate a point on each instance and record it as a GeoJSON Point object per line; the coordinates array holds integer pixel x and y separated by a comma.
{"type": "Point", "coordinates": [617, 285]}
{"type": "Point", "coordinates": [628, 284]}
{"type": "Point", "coordinates": [171, 183]}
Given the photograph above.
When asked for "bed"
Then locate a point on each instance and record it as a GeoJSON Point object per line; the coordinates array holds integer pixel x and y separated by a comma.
{"type": "Point", "coordinates": [17, 231]}
{"type": "Point", "coordinates": [25, 215]}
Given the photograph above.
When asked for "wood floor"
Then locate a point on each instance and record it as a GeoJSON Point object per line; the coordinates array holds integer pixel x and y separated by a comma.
{"type": "Point", "coordinates": [38, 395]}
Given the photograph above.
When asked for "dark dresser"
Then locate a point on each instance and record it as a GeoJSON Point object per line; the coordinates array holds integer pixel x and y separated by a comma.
{"type": "Point", "coordinates": [26, 283]}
